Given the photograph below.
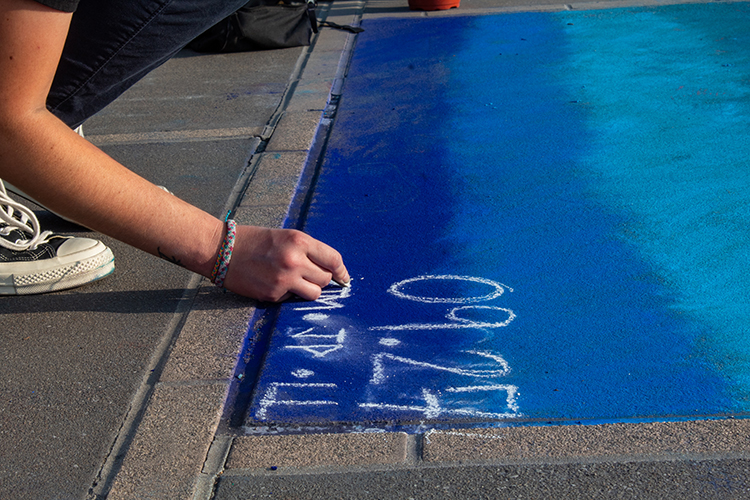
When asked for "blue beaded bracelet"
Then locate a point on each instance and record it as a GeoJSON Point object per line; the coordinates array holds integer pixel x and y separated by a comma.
{"type": "Point", "coordinates": [225, 255]}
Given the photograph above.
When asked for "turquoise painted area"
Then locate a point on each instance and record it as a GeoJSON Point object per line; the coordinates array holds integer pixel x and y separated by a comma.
{"type": "Point", "coordinates": [670, 105]}
{"type": "Point", "coordinates": [579, 176]}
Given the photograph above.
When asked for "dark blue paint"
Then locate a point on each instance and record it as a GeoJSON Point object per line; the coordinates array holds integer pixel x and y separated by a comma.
{"type": "Point", "coordinates": [551, 153]}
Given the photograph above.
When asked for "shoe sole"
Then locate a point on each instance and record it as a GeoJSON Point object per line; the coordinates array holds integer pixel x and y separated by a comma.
{"type": "Point", "coordinates": [58, 274]}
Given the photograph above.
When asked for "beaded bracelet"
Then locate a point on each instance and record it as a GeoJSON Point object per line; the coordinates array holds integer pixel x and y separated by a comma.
{"type": "Point", "coordinates": [225, 255]}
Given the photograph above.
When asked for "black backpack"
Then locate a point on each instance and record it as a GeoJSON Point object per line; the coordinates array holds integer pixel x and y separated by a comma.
{"type": "Point", "coordinates": [260, 25]}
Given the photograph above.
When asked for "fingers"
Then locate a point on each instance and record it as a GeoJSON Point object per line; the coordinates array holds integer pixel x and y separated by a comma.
{"type": "Point", "coordinates": [330, 260]}
{"type": "Point", "coordinates": [273, 264]}
{"type": "Point", "coordinates": [341, 276]}
{"type": "Point", "coordinates": [319, 272]}
{"type": "Point", "coordinates": [316, 275]}
{"type": "Point", "coordinates": [307, 291]}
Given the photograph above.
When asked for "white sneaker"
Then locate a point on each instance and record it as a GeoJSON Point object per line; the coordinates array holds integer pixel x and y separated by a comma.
{"type": "Point", "coordinates": [32, 261]}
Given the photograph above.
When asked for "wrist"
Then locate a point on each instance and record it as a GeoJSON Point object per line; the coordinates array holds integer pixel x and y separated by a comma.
{"type": "Point", "coordinates": [208, 248]}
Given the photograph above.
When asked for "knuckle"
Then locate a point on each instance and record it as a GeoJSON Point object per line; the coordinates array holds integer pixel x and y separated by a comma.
{"type": "Point", "coordinates": [289, 260]}
{"type": "Point", "coordinates": [297, 238]}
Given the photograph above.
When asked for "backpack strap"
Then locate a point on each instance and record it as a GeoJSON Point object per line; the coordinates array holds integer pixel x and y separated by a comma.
{"type": "Point", "coordinates": [345, 27]}
{"type": "Point", "coordinates": [311, 4]}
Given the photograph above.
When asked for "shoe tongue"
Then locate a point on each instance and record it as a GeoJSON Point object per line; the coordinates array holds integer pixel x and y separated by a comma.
{"type": "Point", "coordinates": [14, 235]}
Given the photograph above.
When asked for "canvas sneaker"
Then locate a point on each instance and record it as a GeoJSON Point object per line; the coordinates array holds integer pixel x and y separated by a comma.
{"type": "Point", "coordinates": [32, 261]}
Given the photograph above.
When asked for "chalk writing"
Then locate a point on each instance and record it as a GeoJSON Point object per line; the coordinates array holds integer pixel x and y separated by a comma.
{"type": "Point", "coordinates": [497, 289]}
{"type": "Point", "coordinates": [329, 299]}
{"type": "Point", "coordinates": [511, 390]}
{"type": "Point", "coordinates": [319, 351]}
{"type": "Point", "coordinates": [270, 398]}
{"type": "Point", "coordinates": [306, 334]}
{"type": "Point", "coordinates": [389, 342]}
{"type": "Point", "coordinates": [459, 322]}
{"type": "Point", "coordinates": [379, 376]}
{"type": "Point", "coordinates": [432, 408]}
{"type": "Point", "coordinates": [321, 335]}
{"type": "Point", "coordinates": [315, 317]}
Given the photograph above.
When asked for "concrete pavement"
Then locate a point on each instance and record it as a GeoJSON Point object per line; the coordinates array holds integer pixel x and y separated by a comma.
{"type": "Point", "coordinates": [116, 389]}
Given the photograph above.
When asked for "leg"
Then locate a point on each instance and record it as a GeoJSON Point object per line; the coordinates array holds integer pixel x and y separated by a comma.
{"type": "Point", "coordinates": [112, 44]}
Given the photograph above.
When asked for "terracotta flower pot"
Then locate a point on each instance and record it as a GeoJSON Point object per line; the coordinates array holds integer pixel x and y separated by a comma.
{"type": "Point", "coordinates": [433, 4]}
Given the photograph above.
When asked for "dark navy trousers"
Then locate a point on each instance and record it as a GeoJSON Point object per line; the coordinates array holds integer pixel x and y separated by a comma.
{"type": "Point", "coordinates": [114, 43]}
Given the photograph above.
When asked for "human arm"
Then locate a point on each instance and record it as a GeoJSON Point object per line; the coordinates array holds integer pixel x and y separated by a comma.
{"type": "Point", "coordinates": [43, 157]}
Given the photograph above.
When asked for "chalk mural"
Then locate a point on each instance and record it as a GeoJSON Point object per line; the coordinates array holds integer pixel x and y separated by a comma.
{"type": "Point", "coordinates": [545, 217]}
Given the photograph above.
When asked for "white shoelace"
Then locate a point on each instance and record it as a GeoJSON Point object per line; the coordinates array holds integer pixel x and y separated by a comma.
{"type": "Point", "coordinates": [26, 222]}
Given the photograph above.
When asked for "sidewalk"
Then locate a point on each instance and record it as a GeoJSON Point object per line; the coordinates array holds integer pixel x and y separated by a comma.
{"type": "Point", "coordinates": [116, 390]}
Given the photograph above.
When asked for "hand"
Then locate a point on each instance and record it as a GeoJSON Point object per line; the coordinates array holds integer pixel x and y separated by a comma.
{"type": "Point", "coordinates": [274, 264]}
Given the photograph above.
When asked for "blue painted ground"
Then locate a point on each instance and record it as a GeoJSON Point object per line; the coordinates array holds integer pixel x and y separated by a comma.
{"type": "Point", "coordinates": [545, 215]}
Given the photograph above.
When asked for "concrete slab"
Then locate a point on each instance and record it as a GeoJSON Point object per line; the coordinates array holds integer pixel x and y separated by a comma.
{"type": "Point", "coordinates": [317, 450]}
{"type": "Point", "coordinates": [201, 172]}
{"type": "Point", "coordinates": [697, 440]}
{"type": "Point", "coordinates": [71, 363]}
{"type": "Point", "coordinates": [276, 178]}
{"type": "Point", "coordinates": [714, 479]}
{"type": "Point", "coordinates": [294, 132]}
{"type": "Point", "coordinates": [202, 92]}
{"type": "Point", "coordinates": [167, 453]}
{"type": "Point", "coordinates": [210, 339]}
{"type": "Point", "coordinates": [311, 95]}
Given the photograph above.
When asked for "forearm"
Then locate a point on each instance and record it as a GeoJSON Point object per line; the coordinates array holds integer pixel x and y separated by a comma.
{"type": "Point", "coordinates": [50, 162]}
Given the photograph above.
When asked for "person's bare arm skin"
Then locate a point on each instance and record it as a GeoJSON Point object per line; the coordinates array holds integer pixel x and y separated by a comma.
{"type": "Point", "coordinates": [45, 158]}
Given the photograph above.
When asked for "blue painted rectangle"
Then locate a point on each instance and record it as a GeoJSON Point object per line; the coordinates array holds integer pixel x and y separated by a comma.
{"type": "Point", "coordinates": [545, 216]}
